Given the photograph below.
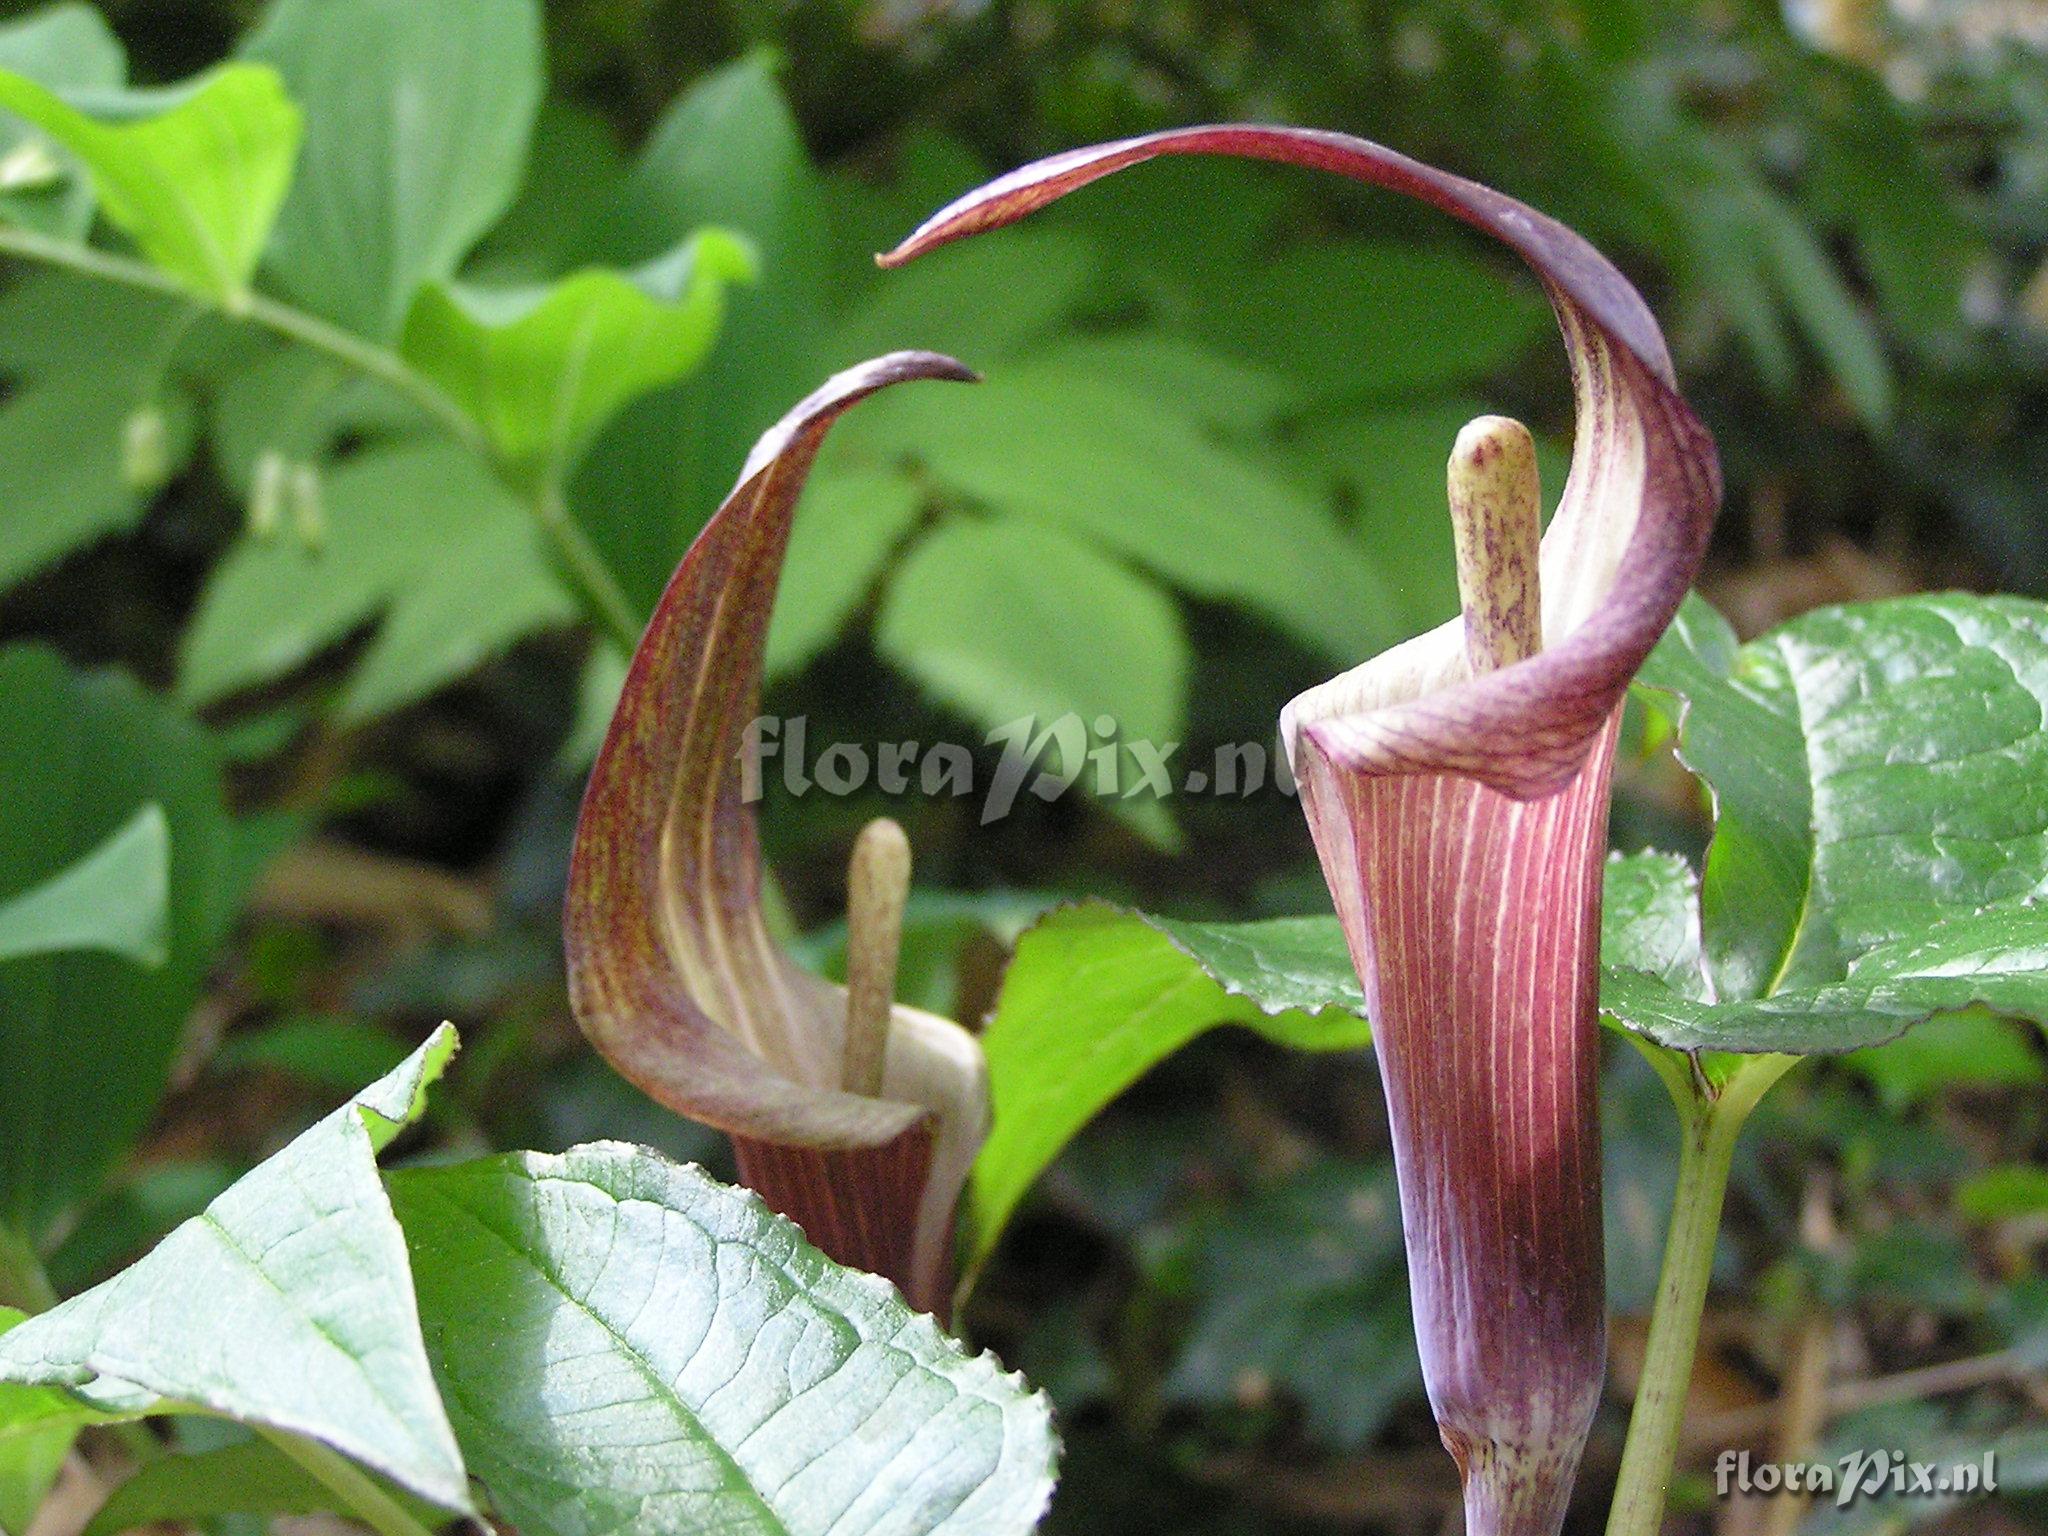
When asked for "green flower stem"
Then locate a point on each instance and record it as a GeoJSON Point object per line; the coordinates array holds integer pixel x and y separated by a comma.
{"type": "Point", "coordinates": [1711, 1118]}
{"type": "Point", "coordinates": [357, 1490]}
{"type": "Point", "coordinates": [581, 565]}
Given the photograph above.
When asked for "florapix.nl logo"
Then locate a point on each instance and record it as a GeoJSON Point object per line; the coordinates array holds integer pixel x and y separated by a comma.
{"type": "Point", "coordinates": [1858, 1475]}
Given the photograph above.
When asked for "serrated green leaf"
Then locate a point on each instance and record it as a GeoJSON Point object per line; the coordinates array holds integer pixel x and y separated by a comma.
{"type": "Point", "coordinates": [91, 1035]}
{"type": "Point", "coordinates": [626, 1345]}
{"type": "Point", "coordinates": [845, 531]}
{"type": "Point", "coordinates": [65, 47]}
{"type": "Point", "coordinates": [1095, 997]}
{"type": "Point", "coordinates": [252, 1477]}
{"type": "Point", "coordinates": [1068, 446]}
{"type": "Point", "coordinates": [419, 536]}
{"type": "Point", "coordinates": [1020, 627]}
{"type": "Point", "coordinates": [1650, 921]}
{"type": "Point", "coordinates": [194, 174]}
{"type": "Point", "coordinates": [115, 899]}
{"type": "Point", "coordinates": [417, 124]}
{"type": "Point", "coordinates": [1878, 771]}
{"type": "Point", "coordinates": [293, 1304]}
{"type": "Point", "coordinates": [543, 368]}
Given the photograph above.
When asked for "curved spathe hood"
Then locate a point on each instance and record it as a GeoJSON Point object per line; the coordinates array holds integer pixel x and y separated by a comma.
{"type": "Point", "coordinates": [1622, 549]}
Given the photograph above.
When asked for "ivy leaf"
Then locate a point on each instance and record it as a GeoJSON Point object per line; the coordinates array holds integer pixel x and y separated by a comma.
{"type": "Point", "coordinates": [292, 1303]}
{"type": "Point", "coordinates": [1095, 997]}
{"type": "Point", "coordinates": [420, 536]}
{"type": "Point", "coordinates": [114, 899]}
{"type": "Point", "coordinates": [195, 174]}
{"type": "Point", "coordinates": [625, 1344]}
{"type": "Point", "coordinates": [65, 47]}
{"type": "Point", "coordinates": [543, 368]}
{"type": "Point", "coordinates": [90, 1034]}
{"type": "Point", "coordinates": [448, 92]}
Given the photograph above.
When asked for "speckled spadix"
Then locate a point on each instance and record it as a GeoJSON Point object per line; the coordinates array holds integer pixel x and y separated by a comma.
{"type": "Point", "coordinates": [1460, 815]}
{"type": "Point", "coordinates": [672, 972]}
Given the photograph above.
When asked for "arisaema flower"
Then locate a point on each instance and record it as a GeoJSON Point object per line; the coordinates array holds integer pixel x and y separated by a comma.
{"type": "Point", "coordinates": [854, 1116]}
{"type": "Point", "coordinates": [1456, 788]}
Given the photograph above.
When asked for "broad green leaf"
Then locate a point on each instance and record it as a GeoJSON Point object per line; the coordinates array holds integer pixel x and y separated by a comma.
{"type": "Point", "coordinates": [37, 1426]}
{"type": "Point", "coordinates": [65, 47]}
{"type": "Point", "coordinates": [2000, 1194]}
{"type": "Point", "coordinates": [1023, 629]}
{"type": "Point", "coordinates": [543, 368]}
{"type": "Point", "coordinates": [1302, 1289]}
{"type": "Point", "coordinates": [1069, 446]}
{"type": "Point", "coordinates": [294, 406]}
{"type": "Point", "coordinates": [91, 1035]}
{"type": "Point", "coordinates": [1973, 1049]}
{"type": "Point", "coordinates": [115, 899]}
{"type": "Point", "coordinates": [1878, 771]}
{"type": "Point", "coordinates": [321, 1049]}
{"type": "Point", "coordinates": [417, 124]}
{"type": "Point", "coordinates": [1650, 921]}
{"type": "Point", "coordinates": [574, 169]}
{"type": "Point", "coordinates": [1209, 388]}
{"type": "Point", "coordinates": [132, 1217]}
{"type": "Point", "coordinates": [66, 479]}
{"type": "Point", "coordinates": [251, 1477]}
{"type": "Point", "coordinates": [1096, 997]}
{"type": "Point", "coordinates": [1389, 462]}
{"type": "Point", "coordinates": [1380, 319]}
{"type": "Point", "coordinates": [846, 529]}
{"type": "Point", "coordinates": [1998, 959]}
{"type": "Point", "coordinates": [194, 174]}
{"type": "Point", "coordinates": [727, 154]}
{"type": "Point", "coordinates": [626, 1345]}
{"type": "Point", "coordinates": [287, 1304]}
{"type": "Point", "coordinates": [979, 302]}
{"type": "Point", "coordinates": [419, 535]}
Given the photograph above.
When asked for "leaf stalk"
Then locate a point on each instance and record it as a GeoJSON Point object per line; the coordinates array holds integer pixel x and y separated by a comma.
{"type": "Point", "coordinates": [356, 1489]}
{"type": "Point", "coordinates": [1710, 1121]}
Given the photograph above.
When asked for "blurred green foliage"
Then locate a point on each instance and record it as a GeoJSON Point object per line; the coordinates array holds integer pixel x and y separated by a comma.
{"type": "Point", "coordinates": [1205, 470]}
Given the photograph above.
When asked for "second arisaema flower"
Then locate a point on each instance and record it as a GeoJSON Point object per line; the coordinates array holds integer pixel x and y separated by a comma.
{"type": "Point", "coordinates": [1456, 789]}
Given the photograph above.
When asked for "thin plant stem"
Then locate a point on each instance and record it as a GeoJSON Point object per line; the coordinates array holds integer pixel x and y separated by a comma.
{"type": "Point", "coordinates": [588, 572]}
{"type": "Point", "coordinates": [596, 588]}
{"type": "Point", "coordinates": [1710, 1120]}
{"type": "Point", "coordinates": [356, 1489]}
